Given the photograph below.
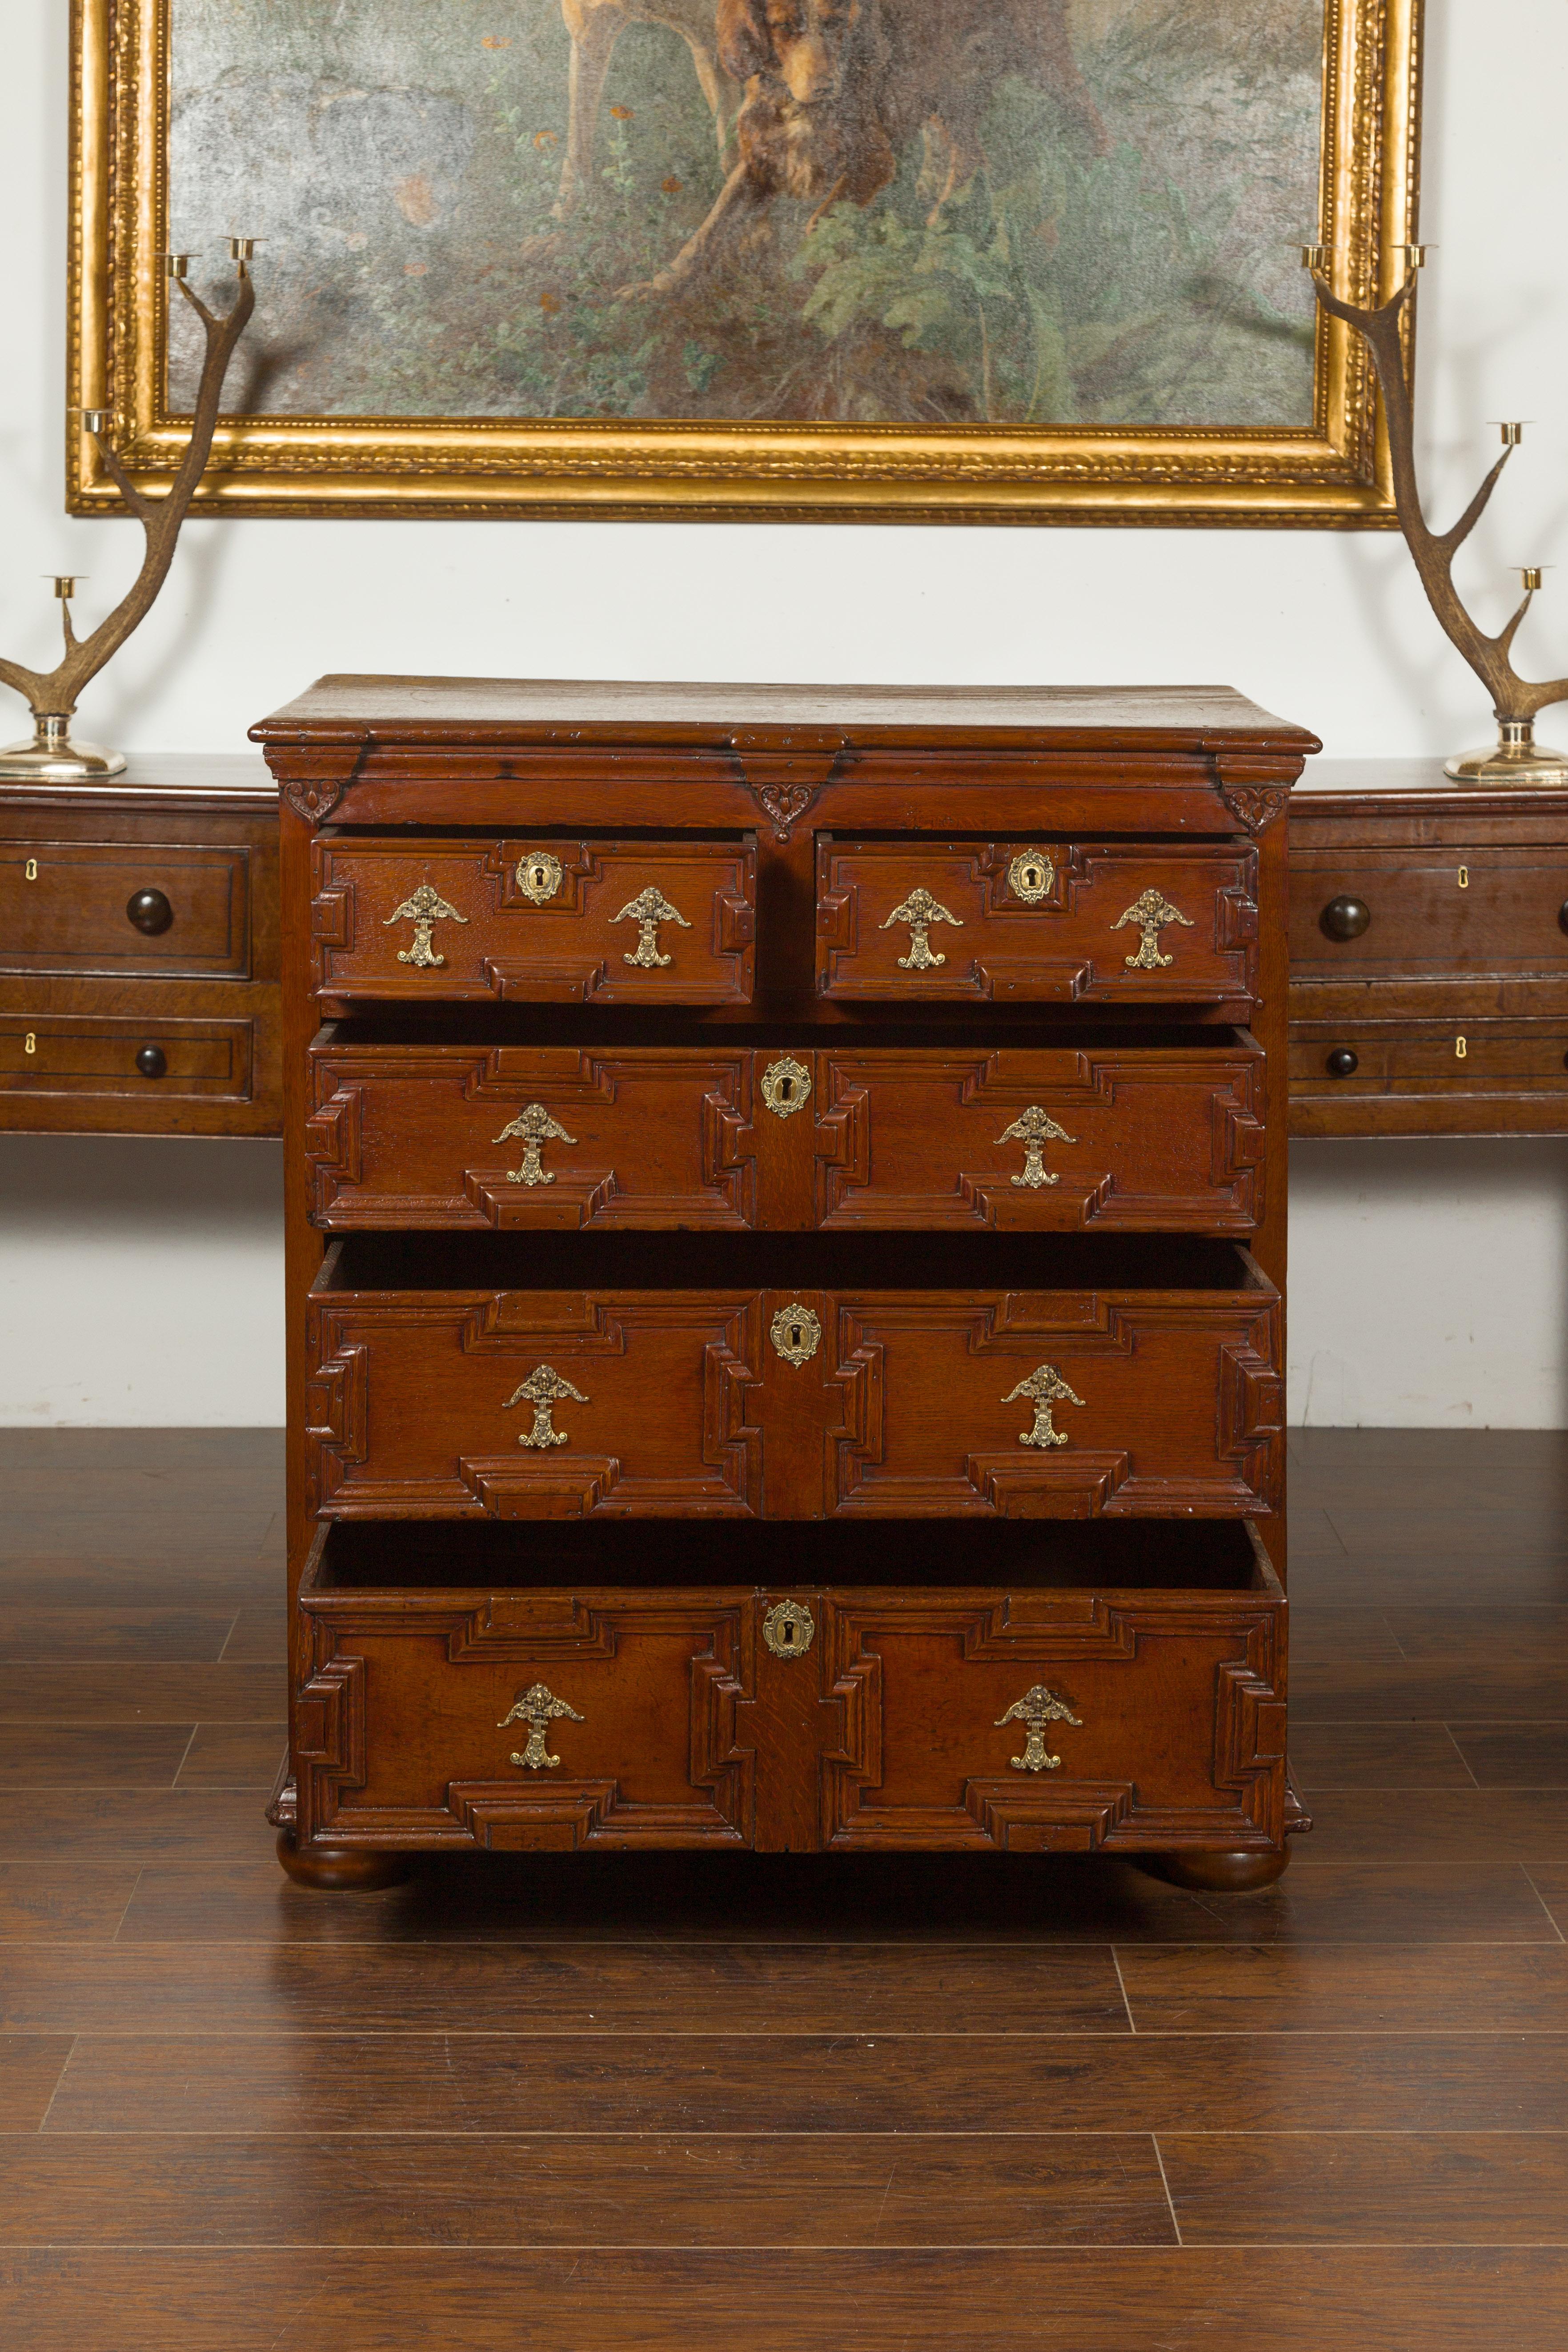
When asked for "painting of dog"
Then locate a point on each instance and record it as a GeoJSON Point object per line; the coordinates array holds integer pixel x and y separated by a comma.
{"type": "Point", "coordinates": [955, 213]}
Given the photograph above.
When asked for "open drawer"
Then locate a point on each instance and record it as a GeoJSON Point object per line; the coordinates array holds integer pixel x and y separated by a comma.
{"type": "Point", "coordinates": [1046, 1689]}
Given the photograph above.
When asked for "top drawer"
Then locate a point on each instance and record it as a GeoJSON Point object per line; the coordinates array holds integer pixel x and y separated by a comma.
{"type": "Point", "coordinates": [541, 921]}
{"type": "Point", "coordinates": [1361, 913]}
{"type": "Point", "coordinates": [1106, 922]}
{"type": "Point", "coordinates": [124, 907]}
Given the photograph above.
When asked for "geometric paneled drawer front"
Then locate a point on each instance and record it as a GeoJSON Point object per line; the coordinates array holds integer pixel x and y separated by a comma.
{"type": "Point", "coordinates": [794, 1405]}
{"type": "Point", "coordinates": [1060, 1720]}
{"type": "Point", "coordinates": [1129, 1138]}
{"type": "Point", "coordinates": [539, 921]}
{"type": "Point", "coordinates": [123, 908]}
{"type": "Point", "coordinates": [1106, 922]}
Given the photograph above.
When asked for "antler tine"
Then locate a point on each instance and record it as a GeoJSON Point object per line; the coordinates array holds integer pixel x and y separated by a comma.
{"type": "Point", "coordinates": [54, 693]}
{"type": "Point", "coordinates": [1513, 698]}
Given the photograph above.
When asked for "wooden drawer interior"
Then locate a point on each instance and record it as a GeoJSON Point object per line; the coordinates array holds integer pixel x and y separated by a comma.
{"type": "Point", "coordinates": [63, 909]}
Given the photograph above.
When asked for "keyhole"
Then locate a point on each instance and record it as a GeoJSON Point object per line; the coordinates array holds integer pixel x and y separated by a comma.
{"type": "Point", "coordinates": [1460, 1048]}
{"type": "Point", "coordinates": [786, 1088]}
{"type": "Point", "coordinates": [1032, 876]}
{"type": "Point", "coordinates": [1464, 877]}
{"type": "Point", "coordinates": [30, 1042]}
{"type": "Point", "coordinates": [31, 869]}
{"type": "Point", "coordinates": [536, 875]}
{"type": "Point", "coordinates": [795, 1331]}
{"type": "Point", "coordinates": [787, 1635]}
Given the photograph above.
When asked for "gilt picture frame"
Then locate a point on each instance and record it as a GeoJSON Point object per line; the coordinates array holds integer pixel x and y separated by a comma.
{"type": "Point", "coordinates": [1021, 261]}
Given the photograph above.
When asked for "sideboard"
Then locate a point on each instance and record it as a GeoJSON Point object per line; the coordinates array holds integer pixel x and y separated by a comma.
{"type": "Point", "coordinates": [1428, 955]}
{"type": "Point", "coordinates": [139, 952]}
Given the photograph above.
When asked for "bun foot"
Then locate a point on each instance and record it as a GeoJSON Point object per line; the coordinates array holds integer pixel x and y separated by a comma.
{"type": "Point", "coordinates": [1241, 1872]}
{"type": "Point", "coordinates": [340, 1869]}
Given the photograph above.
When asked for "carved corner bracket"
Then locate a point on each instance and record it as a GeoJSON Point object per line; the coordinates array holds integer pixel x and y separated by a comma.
{"type": "Point", "coordinates": [785, 776]}
{"type": "Point", "coordinates": [312, 791]}
{"type": "Point", "coordinates": [1255, 803]}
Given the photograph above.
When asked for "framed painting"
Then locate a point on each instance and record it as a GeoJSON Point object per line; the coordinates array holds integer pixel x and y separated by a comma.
{"type": "Point", "coordinates": [921, 260]}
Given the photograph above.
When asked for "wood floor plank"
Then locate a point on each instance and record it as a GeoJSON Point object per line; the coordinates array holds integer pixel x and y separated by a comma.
{"type": "Point", "coordinates": [586, 2191]}
{"type": "Point", "coordinates": [1533, 1453]}
{"type": "Point", "coordinates": [154, 1579]}
{"type": "Point", "coordinates": [142, 1694]}
{"type": "Point", "coordinates": [1350, 1688]}
{"type": "Point", "coordinates": [1376, 1756]}
{"type": "Point", "coordinates": [121, 1755]}
{"type": "Point", "coordinates": [558, 1988]}
{"type": "Point", "coordinates": [243, 1896]}
{"type": "Point", "coordinates": [1509, 1635]}
{"type": "Point", "coordinates": [1372, 1825]}
{"type": "Point", "coordinates": [31, 2065]}
{"type": "Point", "coordinates": [1397, 2189]}
{"type": "Point", "coordinates": [1515, 1755]}
{"type": "Point", "coordinates": [133, 1825]}
{"type": "Point", "coordinates": [118, 1634]}
{"type": "Point", "coordinates": [234, 1756]}
{"type": "Point", "coordinates": [259, 1635]}
{"type": "Point", "coordinates": [1409, 1526]}
{"type": "Point", "coordinates": [1347, 1989]}
{"type": "Point", "coordinates": [1519, 1580]}
{"type": "Point", "coordinates": [52, 1901]}
{"type": "Point", "coordinates": [1290, 2299]}
{"type": "Point", "coordinates": [1550, 1881]}
{"type": "Point", "coordinates": [935, 2081]}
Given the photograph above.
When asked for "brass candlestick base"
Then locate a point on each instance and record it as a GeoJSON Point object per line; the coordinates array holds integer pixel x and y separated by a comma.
{"type": "Point", "coordinates": [53, 758]}
{"type": "Point", "coordinates": [1516, 758]}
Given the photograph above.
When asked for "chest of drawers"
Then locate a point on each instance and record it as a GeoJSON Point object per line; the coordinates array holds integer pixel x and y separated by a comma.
{"type": "Point", "coordinates": [786, 1218]}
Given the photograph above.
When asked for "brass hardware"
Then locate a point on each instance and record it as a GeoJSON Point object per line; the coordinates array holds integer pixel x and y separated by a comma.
{"type": "Point", "coordinates": [535, 1128]}
{"type": "Point", "coordinates": [1030, 875]}
{"type": "Point", "coordinates": [648, 910]}
{"type": "Point", "coordinates": [539, 876]}
{"type": "Point", "coordinates": [1460, 1049]}
{"type": "Point", "coordinates": [30, 1042]}
{"type": "Point", "coordinates": [1151, 910]}
{"type": "Point", "coordinates": [789, 1629]}
{"type": "Point", "coordinates": [1035, 1710]}
{"type": "Point", "coordinates": [785, 1085]}
{"type": "Point", "coordinates": [538, 1708]}
{"type": "Point", "coordinates": [543, 1388]}
{"type": "Point", "coordinates": [425, 909]}
{"type": "Point", "coordinates": [1034, 1128]}
{"type": "Point", "coordinates": [30, 871]}
{"type": "Point", "coordinates": [1464, 877]}
{"type": "Point", "coordinates": [920, 910]}
{"type": "Point", "coordinates": [796, 1333]}
{"type": "Point", "coordinates": [1045, 1387]}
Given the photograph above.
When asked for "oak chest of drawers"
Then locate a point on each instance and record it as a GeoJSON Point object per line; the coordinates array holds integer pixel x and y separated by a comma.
{"type": "Point", "coordinates": [786, 1218]}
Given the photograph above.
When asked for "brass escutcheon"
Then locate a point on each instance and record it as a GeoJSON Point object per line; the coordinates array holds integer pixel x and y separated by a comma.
{"type": "Point", "coordinates": [538, 1708]}
{"type": "Point", "coordinates": [534, 1128]}
{"type": "Point", "coordinates": [539, 876]}
{"type": "Point", "coordinates": [1030, 875]}
{"type": "Point", "coordinates": [920, 910]}
{"type": "Point", "coordinates": [796, 1333]}
{"type": "Point", "coordinates": [1034, 1128]}
{"type": "Point", "coordinates": [1151, 910]}
{"type": "Point", "coordinates": [30, 1042]}
{"type": "Point", "coordinates": [1045, 1388]}
{"type": "Point", "coordinates": [425, 909]}
{"type": "Point", "coordinates": [785, 1085]}
{"type": "Point", "coordinates": [789, 1629]}
{"type": "Point", "coordinates": [648, 910]}
{"type": "Point", "coordinates": [543, 1389]}
{"type": "Point", "coordinates": [30, 871]}
{"type": "Point", "coordinates": [1035, 1710]}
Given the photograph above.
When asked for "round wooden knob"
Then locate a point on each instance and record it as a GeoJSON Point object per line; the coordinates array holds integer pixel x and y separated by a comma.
{"type": "Point", "coordinates": [1562, 914]}
{"type": "Point", "coordinates": [149, 911]}
{"type": "Point", "coordinates": [152, 1061]}
{"type": "Point", "coordinates": [1342, 1063]}
{"type": "Point", "coordinates": [1346, 918]}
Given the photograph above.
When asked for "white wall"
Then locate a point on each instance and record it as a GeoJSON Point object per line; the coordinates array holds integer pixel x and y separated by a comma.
{"type": "Point", "coordinates": [1329, 629]}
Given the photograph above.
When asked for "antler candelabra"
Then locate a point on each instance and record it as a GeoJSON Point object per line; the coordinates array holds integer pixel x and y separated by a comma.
{"type": "Point", "coordinates": [51, 756]}
{"type": "Point", "coordinates": [1516, 758]}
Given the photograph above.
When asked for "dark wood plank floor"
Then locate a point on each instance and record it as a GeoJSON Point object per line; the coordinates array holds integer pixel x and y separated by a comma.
{"type": "Point", "coordinates": [617, 2105]}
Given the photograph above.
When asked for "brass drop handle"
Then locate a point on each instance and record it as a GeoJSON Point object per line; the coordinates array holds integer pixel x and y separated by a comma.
{"type": "Point", "coordinates": [149, 911]}
{"type": "Point", "coordinates": [1346, 918]}
{"type": "Point", "coordinates": [152, 1061]}
{"type": "Point", "coordinates": [1342, 1063]}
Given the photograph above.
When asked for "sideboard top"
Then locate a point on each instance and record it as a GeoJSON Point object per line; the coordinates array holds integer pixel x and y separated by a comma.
{"type": "Point", "coordinates": [431, 711]}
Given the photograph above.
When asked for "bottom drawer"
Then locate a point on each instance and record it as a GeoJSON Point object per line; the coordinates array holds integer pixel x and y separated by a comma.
{"type": "Point", "coordinates": [1428, 1078]}
{"type": "Point", "coordinates": [69, 1053]}
{"type": "Point", "coordinates": [1052, 1688]}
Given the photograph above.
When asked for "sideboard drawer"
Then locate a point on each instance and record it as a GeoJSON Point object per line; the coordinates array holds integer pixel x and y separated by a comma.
{"type": "Point", "coordinates": [1412, 1076]}
{"type": "Point", "coordinates": [1115, 1134]}
{"type": "Point", "coordinates": [124, 908]}
{"type": "Point", "coordinates": [528, 1402]}
{"type": "Point", "coordinates": [78, 1054]}
{"type": "Point", "coordinates": [1125, 922]}
{"type": "Point", "coordinates": [541, 921]}
{"type": "Point", "coordinates": [1361, 913]}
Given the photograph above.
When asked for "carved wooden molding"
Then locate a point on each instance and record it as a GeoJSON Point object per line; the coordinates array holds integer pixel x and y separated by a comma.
{"type": "Point", "coordinates": [1256, 806]}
